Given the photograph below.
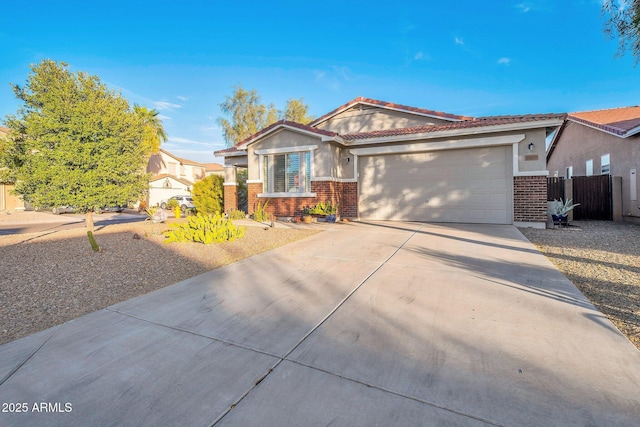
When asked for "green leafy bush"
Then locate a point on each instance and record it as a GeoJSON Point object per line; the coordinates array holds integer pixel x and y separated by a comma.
{"type": "Point", "coordinates": [208, 194]}
{"type": "Point", "coordinates": [172, 204]}
{"type": "Point", "coordinates": [206, 229]}
{"type": "Point", "coordinates": [321, 208]}
{"type": "Point", "coordinates": [260, 214]}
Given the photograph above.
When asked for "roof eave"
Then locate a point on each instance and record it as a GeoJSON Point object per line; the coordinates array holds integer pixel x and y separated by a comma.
{"type": "Point", "coordinates": [460, 132]}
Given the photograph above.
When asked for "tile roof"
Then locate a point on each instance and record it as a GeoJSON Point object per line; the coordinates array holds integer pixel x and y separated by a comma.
{"type": "Point", "coordinates": [457, 122]}
{"type": "Point", "coordinates": [166, 175]}
{"type": "Point", "coordinates": [622, 122]}
{"type": "Point", "coordinates": [4, 130]}
{"type": "Point", "coordinates": [389, 105]}
{"type": "Point", "coordinates": [474, 123]}
{"type": "Point", "coordinates": [272, 127]}
{"type": "Point", "coordinates": [213, 167]}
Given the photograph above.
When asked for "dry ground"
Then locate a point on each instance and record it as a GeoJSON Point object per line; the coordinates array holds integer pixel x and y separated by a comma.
{"type": "Point", "coordinates": [602, 259]}
{"type": "Point", "coordinates": [47, 279]}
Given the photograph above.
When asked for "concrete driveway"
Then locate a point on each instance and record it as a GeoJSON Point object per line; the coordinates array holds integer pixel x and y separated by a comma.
{"type": "Point", "coordinates": [390, 324]}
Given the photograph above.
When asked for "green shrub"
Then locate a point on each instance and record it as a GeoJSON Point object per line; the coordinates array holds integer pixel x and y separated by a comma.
{"type": "Point", "coordinates": [260, 214]}
{"type": "Point", "coordinates": [321, 208]}
{"type": "Point", "coordinates": [236, 214]}
{"type": "Point", "coordinates": [172, 204]}
{"type": "Point", "coordinates": [205, 229]}
{"type": "Point", "coordinates": [208, 194]}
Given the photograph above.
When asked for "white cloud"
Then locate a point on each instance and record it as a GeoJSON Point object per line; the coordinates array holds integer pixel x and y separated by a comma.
{"type": "Point", "coordinates": [182, 98]}
{"type": "Point", "coordinates": [418, 56]}
{"type": "Point", "coordinates": [523, 7]}
{"type": "Point", "coordinates": [459, 41]}
{"type": "Point", "coordinates": [504, 61]}
{"type": "Point", "coordinates": [163, 117]}
{"type": "Point", "coordinates": [163, 105]}
{"type": "Point", "coordinates": [180, 140]}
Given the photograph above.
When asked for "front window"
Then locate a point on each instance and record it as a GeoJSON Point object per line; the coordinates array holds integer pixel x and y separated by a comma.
{"type": "Point", "coordinates": [287, 173]}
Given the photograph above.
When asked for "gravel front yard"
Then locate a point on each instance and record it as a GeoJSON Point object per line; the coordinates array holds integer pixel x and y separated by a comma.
{"type": "Point", "coordinates": [602, 259]}
{"type": "Point", "coordinates": [48, 279]}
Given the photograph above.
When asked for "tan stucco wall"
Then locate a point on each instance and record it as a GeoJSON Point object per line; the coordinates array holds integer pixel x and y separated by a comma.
{"type": "Point", "coordinates": [579, 143]}
{"type": "Point", "coordinates": [369, 119]}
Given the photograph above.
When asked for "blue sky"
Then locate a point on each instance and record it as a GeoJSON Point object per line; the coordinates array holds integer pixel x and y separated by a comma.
{"type": "Point", "coordinates": [473, 58]}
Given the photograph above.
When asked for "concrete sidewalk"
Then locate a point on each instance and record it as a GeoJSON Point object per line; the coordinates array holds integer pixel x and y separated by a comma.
{"type": "Point", "coordinates": [363, 324]}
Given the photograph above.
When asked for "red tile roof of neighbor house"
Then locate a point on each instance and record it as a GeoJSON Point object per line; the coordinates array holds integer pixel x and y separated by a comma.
{"type": "Point", "coordinates": [473, 123]}
{"type": "Point", "coordinates": [623, 121]}
{"type": "Point", "coordinates": [213, 167]}
{"type": "Point", "coordinates": [389, 105]}
{"type": "Point", "coordinates": [181, 160]}
{"type": "Point", "coordinates": [4, 130]}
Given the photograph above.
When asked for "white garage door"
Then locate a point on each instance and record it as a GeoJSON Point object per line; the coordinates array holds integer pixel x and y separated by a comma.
{"type": "Point", "coordinates": [467, 185]}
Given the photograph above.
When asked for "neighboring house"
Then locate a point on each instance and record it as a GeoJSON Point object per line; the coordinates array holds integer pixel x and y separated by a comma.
{"type": "Point", "coordinates": [172, 176]}
{"type": "Point", "coordinates": [598, 143]}
{"type": "Point", "coordinates": [214, 169]}
{"type": "Point", "coordinates": [8, 201]}
{"type": "Point", "coordinates": [380, 160]}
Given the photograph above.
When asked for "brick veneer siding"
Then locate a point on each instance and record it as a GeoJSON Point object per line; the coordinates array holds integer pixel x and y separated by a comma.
{"type": "Point", "coordinates": [230, 197]}
{"type": "Point", "coordinates": [342, 193]}
{"type": "Point", "coordinates": [529, 198]}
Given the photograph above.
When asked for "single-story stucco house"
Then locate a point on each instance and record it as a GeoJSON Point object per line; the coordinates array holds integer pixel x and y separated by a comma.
{"type": "Point", "coordinates": [383, 161]}
{"type": "Point", "coordinates": [601, 142]}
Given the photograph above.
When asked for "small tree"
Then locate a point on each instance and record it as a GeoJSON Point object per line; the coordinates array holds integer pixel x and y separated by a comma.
{"type": "Point", "coordinates": [208, 194]}
{"type": "Point", "coordinates": [74, 142]}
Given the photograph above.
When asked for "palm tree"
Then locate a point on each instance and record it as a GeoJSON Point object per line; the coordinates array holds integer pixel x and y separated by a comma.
{"type": "Point", "coordinates": [154, 133]}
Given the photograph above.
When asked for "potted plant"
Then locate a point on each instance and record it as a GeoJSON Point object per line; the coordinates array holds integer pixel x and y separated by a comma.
{"type": "Point", "coordinates": [559, 211]}
{"type": "Point", "coordinates": [306, 215]}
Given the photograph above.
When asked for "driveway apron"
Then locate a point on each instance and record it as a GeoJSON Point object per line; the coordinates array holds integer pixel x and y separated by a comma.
{"type": "Point", "coordinates": [381, 323]}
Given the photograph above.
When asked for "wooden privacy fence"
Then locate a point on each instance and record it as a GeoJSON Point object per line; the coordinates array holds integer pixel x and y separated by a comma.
{"type": "Point", "coordinates": [594, 195]}
{"type": "Point", "coordinates": [555, 188]}
{"type": "Point", "coordinates": [592, 192]}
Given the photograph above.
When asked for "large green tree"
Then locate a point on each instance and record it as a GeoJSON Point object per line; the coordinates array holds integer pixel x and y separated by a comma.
{"type": "Point", "coordinates": [74, 142]}
{"type": "Point", "coordinates": [246, 114]}
{"type": "Point", "coordinates": [154, 134]}
{"type": "Point", "coordinates": [623, 23]}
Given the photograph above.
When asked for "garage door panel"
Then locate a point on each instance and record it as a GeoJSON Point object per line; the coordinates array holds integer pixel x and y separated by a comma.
{"type": "Point", "coordinates": [471, 185]}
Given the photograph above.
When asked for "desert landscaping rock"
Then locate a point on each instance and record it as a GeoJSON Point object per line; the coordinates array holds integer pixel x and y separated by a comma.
{"type": "Point", "coordinates": [602, 259]}
{"type": "Point", "coordinates": [52, 277]}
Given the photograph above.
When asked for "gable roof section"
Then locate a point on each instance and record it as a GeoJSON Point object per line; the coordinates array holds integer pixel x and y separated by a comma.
{"type": "Point", "coordinates": [173, 177]}
{"type": "Point", "coordinates": [281, 124]}
{"type": "Point", "coordinates": [622, 122]}
{"type": "Point", "coordinates": [389, 106]}
{"type": "Point", "coordinates": [482, 122]}
{"type": "Point", "coordinates": [4, 130]}
{"type": "Point", "coordinates": [181, 160]}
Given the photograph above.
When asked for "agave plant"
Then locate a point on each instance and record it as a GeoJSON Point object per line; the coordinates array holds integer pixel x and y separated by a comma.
{"type": "Point", "coordinates": [561, 208]}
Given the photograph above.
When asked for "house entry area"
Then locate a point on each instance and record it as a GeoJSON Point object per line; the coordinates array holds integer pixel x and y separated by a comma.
{"type": "Point", "coordinates": [460, 186]}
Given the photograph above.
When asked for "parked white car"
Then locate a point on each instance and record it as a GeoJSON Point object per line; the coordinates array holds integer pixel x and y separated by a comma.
{"type": "Point", "coordinates": [185, 202]}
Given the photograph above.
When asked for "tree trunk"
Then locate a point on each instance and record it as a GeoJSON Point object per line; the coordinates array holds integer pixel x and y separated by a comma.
{"type": "Point", "coordinates": [89, 221]}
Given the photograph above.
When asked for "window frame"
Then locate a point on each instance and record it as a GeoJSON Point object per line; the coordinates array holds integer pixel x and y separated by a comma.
{"type": "Point", "coordinates": [605, 167]}
{"type": "Point", "coordinates": [305, 171]}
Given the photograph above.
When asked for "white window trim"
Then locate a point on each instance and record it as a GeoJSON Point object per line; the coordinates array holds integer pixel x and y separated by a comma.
{"type": "Point", "coordinates": [602, 164]}
{"type": "Point", "coordinates": [286, 150]}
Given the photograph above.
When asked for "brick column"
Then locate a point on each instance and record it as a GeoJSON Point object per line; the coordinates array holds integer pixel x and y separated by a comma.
{"type": "Point", "coordinates": [530, 199]}
{"type": "Point", "coordinates": [253, 189]}
{"type": "Point", "coordinates": [230, 197]}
